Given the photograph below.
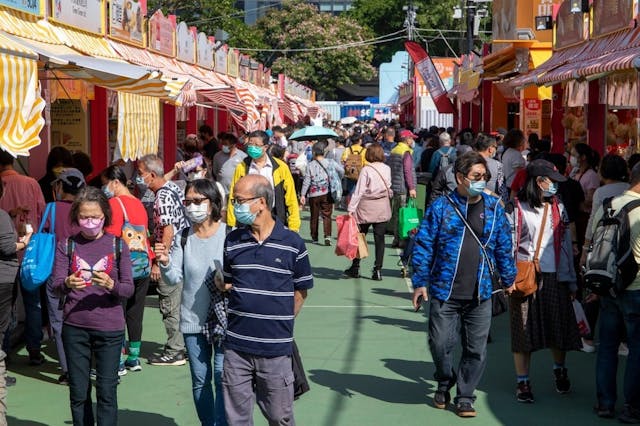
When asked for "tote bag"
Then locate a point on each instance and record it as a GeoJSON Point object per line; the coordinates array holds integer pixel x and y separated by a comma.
{"type": "Point", "coordinates": [409, 218]}
{"type": "Point", "coordinates": [37, 264]}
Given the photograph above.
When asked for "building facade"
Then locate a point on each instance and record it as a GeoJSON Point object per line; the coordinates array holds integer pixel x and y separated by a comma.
{"type": "Point", "coordinates": [255, 9]}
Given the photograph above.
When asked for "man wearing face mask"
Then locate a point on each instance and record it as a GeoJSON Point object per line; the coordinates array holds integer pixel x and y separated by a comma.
{"type": "Point", "coordinates": [450, 267]}
{"type": "Point", "coordinates": [403, 180]}
{"type": "Point", "coordinates": [266, 274]}
{"type": "Point", "coordinates": [277, 173]}
{"type": "Point", "coordinates": [169, 219]}
{"type": "Point", "coordinates": [226, 161]}
{"type": "Point", "coordinates": [488, 147]}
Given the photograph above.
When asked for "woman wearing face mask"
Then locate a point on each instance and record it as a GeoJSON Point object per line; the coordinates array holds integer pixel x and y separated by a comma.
{"type": "Point", "coordinates": [195, 257]}
{"type": "Point", "coordinates": [545, 319]}
{"type": "Point", "coordinates": [127, 208]}
{"type": "Point", "coordinates": [93, 271]}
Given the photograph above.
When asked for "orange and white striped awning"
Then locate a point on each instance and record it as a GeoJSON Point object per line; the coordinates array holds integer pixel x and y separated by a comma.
{"type": "Point", "coordinates": [138, 125]}
{"type": "Point", "coordinates": [21, 105]}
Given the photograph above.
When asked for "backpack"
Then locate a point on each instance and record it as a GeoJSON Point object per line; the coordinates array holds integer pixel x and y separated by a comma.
{"type": "Point", "coordinates": [444, 161]}
{"type": "Point", "coordinates": [611, 266]}
{"type": "Point", "coordinates": [136, 238]}
{"type": "Point", "coordinates": [353, 164]}
{"type": "Point", "coordinates": [37, 264]}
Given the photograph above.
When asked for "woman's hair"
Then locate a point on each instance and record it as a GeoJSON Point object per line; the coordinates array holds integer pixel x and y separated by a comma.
{"type": "Point", "coordinates": [91, 195]}
{"type": "Point", "coordinates": [513, 139]}
{"type": "Point", "coordinates": [613, 167]}
{"type": "Point", "coordinates": [592, 156]}
{"type": "Point", "coordinates": [114, 173]}
{"type": "Point", "coordinates": [277, 151]}
{"type": "Point", "coordinates": [59, 156]}
{"type": "Point", "coordinates": [318, 148]}
{"type": "Point", "coordinates": [374, 153]}
{"type": "Point", "coordinates": [208, 189]}
{"type": "Point", "coordinates": [82, 162]}
{"type": "Point", "coordinates": [531, 192]}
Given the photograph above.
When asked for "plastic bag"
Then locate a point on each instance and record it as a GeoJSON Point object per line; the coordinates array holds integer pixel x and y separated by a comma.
{"type": "Point", "coordinates": [347, 236]}
{"type": "Point", "coordinates": [581, 319]}
{"type": "Point", "coordinates": [409, 218]}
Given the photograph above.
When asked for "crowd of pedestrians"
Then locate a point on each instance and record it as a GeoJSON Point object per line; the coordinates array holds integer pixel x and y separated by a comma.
{"type": "Point", "coordinates": [216, 235]}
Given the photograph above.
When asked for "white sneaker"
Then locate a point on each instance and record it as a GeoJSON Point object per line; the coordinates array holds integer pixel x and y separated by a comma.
{"type": "Point", "coordinates": [587, 348]}
{"type": "Point", "coordinates": [623, 349]}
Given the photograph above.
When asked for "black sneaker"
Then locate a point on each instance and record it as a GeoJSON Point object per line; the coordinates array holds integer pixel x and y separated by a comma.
{"type": "Point", "coordinates": [465, 409]}
{"type": "Point", "coordinates": [523, 392]}
{"type": "Point", "coordinates": [164, 359]}
{"type": "Point", "coordinates": [352, 272]}
{"type": "Point", "coordinates": [376, 275]}
{"type": "Point", "coordinates": [36, 357]}
{"type": "Point", "coordinates": [10, 381]}
{"type": "Point", "coordinates": [563, 385]}
{"type": "Point", "coordinates": [630, 415]}
{"type": "Point", "coordinates": [63, 379]}
{"type": "Point", "coordinates": [441, 399]}
{"type": "Point", "coordinates": [604, 412]}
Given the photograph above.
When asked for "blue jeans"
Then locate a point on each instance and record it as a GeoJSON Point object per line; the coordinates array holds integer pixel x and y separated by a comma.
{"type": "Point", "coordinates": [475, 320]}
{"type": "Point", "coordinates": [615, 315]}
{"type": "Point", "coordinates": [210, 410]}
{"type": "Point", "coordinates": [33, 318]}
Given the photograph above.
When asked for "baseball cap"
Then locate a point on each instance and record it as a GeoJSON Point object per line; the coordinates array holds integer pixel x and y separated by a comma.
{"type": "Point", "coordinates": [408, 134]}
{"type": "Point", "coordinates": [71, 177]}
{"type": "Point", "coordinates": [545, 168]}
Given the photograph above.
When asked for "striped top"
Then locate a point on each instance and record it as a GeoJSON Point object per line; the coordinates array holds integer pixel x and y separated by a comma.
{"type": "Point", "coordinates": [264, 278]}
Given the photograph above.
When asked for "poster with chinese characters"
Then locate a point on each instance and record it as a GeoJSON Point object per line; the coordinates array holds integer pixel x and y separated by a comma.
{"type": "Point", "coordinates": [126, 20]}
{"type": "Point", "coordinates": [87, 15]}
{"type": "Point", "coordinates": [221, 60]}
{"type": "Point", "coordinates": [161, 33]}
{"type": "Point", "coordinates": [205, 51]}
{"type": "Point", "coordinates": [186, 43]}
{"type": "Point", "coordinates": [69, 125]}
{"type": "Point", "coordinates": [532, 116]}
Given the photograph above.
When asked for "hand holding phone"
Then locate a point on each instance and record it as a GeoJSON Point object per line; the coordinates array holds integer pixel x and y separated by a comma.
{"type": "Point", "coordinates": [418, 303]}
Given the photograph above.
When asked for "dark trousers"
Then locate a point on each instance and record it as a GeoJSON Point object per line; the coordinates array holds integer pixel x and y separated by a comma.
{"type": "Point", "coordinates": [320, 206]}
{"type": "Point", "coordinates": [615, 315]}
{"type": "Point", "coordinates": [378, 241]}
{"type": "Point", "coordinates": [80, 344]}
{"type": "Point", "coordinates": [134, 309]}
{"type": "Point", "coordinates": [6, 304]}
{"type": "Point", "coordinates": [475, 320]}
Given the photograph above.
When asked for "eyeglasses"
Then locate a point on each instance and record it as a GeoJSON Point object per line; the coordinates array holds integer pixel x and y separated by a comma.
{"type": "Point", "coordinates": [476, 178]}
{"type": "Point", "coordinates": [197, 201]}
{"type": "Point", "coordinates": [239, 201]}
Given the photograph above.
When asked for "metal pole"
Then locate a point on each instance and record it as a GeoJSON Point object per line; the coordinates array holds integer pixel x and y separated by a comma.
{"type": "Point", "coordinates": [471, 9]}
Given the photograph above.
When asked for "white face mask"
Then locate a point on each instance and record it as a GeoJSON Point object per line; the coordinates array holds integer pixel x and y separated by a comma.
{"type": "Point", "coordinates": [574, 161]}
{"type": "Point", "coordinates": [198, 214]}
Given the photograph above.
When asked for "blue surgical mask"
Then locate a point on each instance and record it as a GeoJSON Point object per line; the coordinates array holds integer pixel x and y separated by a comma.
{"type": "Point", "coordinates": [551, 191]}
{"type": "Point", "coordinates": [226, 149]}
{"type": "Point", "coordinates": [107, 192]}
{"type": "Point", "coordinates": [255, 152]}
{"type": "Point", "coordinates": [243, 213]}
{"type": "Point", "coordinates": [476, 187]}
{"type": "Point", "coordinates": [140, 180]}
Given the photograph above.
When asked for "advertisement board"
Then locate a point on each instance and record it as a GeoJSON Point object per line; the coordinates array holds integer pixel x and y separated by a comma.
{"type": "Point", "coordinates": [532, 116]}
{"type": "Point", "coordinates": [34, 7]}
{"type": "Point", "coordinates": [162, 31]}
{"type": "Point", "coordinates": [87, 15]}
{"type": "Point", "coordinates": [205, 51]}
{"type": "Point", "coordinates": [186, 39]}
{"type": "Point", "coordinates": [126, 20]}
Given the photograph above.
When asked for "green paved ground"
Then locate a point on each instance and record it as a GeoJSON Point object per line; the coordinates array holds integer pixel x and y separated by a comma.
{"type": "Point", "coordinates": [365, 354]}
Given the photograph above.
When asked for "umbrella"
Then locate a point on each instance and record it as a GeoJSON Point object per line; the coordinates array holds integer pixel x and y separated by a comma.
{"type": "Point", "coordinates": [348, 120]}
{"type": "Point", "coordinates": [312, 133]}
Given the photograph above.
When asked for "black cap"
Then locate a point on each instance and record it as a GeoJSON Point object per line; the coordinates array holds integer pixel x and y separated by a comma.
{"type": "Point", "coordinates": [546, 169]}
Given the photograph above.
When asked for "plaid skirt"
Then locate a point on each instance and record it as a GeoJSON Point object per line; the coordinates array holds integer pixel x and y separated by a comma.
{"type": "Point", "coordinates": [544, 319]}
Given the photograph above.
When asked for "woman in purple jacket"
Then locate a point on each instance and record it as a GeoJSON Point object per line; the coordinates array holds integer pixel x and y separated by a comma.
{"type": "Point", "coordinates": [93, 271]}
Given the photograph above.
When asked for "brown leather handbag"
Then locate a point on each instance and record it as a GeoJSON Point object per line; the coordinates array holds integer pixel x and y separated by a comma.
{"type": "Point", "coordinates": [527, 278]}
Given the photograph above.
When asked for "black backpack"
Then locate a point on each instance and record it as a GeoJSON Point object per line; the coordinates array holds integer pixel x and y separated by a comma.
{"type": "Point", "coordinates": [611, 266]}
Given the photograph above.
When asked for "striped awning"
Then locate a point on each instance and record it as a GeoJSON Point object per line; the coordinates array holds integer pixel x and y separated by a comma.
{"type": "Point", "coordinates": [592, 61]}
{"type": "Point", "coordinates": [27, 26]}
{"type": "Point", "coordinates": [86, 43]}
{"type": "Point", "coordinates": [288, 109]}
{"type": "Point", "coordinates": [138, 125]}
{"type": "Point", "coordinates": [21, 105]}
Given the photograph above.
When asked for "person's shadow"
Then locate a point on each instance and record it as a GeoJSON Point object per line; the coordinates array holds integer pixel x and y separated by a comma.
{"type": "Point", "coordinates": [19, 422]}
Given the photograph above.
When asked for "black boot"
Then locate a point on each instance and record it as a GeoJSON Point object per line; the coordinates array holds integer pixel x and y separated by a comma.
{"type": "Point", "coordinates": [354, 270]}
{"type": "Point", "coordinates": [376, 275]}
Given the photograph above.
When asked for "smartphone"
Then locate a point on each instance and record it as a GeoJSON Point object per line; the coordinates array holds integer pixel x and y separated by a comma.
{"type": "Point", "coordinates": [420, 300]}
{"type": "Point", "coordinates": [28, 228]}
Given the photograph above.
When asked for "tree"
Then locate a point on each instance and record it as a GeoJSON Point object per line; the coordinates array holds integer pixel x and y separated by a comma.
{"type": "Point", "coordinates": [211, 15]}
{"type": "Point", "coordinates": [298, 25]}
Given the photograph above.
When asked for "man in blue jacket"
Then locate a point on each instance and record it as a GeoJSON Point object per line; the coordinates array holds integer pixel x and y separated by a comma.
{"type": "Point", "coordinates": [448, 261]}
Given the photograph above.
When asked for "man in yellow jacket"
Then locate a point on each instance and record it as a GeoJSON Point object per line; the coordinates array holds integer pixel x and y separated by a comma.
{"type": "Point", "coordinates": [258, 162]}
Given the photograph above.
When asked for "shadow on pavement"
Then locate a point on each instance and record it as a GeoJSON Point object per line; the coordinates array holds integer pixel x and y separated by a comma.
{"type": "Point", "coordinates": [137, 418]}
{"type": "Point", "coordinates": [391, 292]}
{"type": "Point", "coordinates": [396, 322]}
{"type": "Point", "coordinates": [19, 422]}
{"type": "Point", "coordinates": [328, 274]}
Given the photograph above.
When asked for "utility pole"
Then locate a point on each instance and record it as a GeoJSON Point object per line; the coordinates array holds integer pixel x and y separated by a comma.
{"type": "Point", "coordinates": [410, 19]}
{"type": "Point", "coordinates": [471, 13]}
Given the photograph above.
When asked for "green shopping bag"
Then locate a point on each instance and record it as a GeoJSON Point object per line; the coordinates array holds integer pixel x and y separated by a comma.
{"type": "Point", "coordinates": [409, 218]}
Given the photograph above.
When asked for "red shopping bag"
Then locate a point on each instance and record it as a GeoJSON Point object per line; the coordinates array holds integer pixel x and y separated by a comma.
{"type": "Point", "coordinates": [347, 236]}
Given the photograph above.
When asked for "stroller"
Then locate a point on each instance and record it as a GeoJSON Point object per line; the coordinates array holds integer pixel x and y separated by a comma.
{"type": "Point", "coordinates": [405, 258]}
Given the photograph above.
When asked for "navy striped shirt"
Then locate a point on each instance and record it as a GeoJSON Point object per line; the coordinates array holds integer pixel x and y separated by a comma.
{"type": "Point", "coordinates": [264, 278]}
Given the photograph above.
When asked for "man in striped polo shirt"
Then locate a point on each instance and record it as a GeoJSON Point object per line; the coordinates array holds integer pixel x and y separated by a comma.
{"type": "Point", "coordinates": [267, 274]}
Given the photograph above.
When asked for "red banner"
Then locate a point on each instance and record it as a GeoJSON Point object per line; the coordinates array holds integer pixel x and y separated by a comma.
{"type": "Point", "coordinates": [430, 75]}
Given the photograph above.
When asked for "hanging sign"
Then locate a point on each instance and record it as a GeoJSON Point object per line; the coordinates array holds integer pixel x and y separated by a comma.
{"type": "Point", "coordinates": [162, 32]}
{"type": "Point", "coordinates": [87, 15]}
{"type": "Point", "coordinates": [186, 43]}
{"type": "Point", "coordinates": [206, 51]}
{"type": "Point", "coordinates": [233, 66]}
{"type": "Point", "coordinates": [532, 116]}
{"type": "Point", "coordinates": [34, 7]}
{"type": "Point", "coordinates": [126, 20]}
{"type": "Point", "coordinates": [221, 60]}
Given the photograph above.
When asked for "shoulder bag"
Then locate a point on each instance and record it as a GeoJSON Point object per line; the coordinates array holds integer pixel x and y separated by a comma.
{"type": "Point", "coordinates": [528, 270]}
{"type": "Point", "coordinates": [498, 298]}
